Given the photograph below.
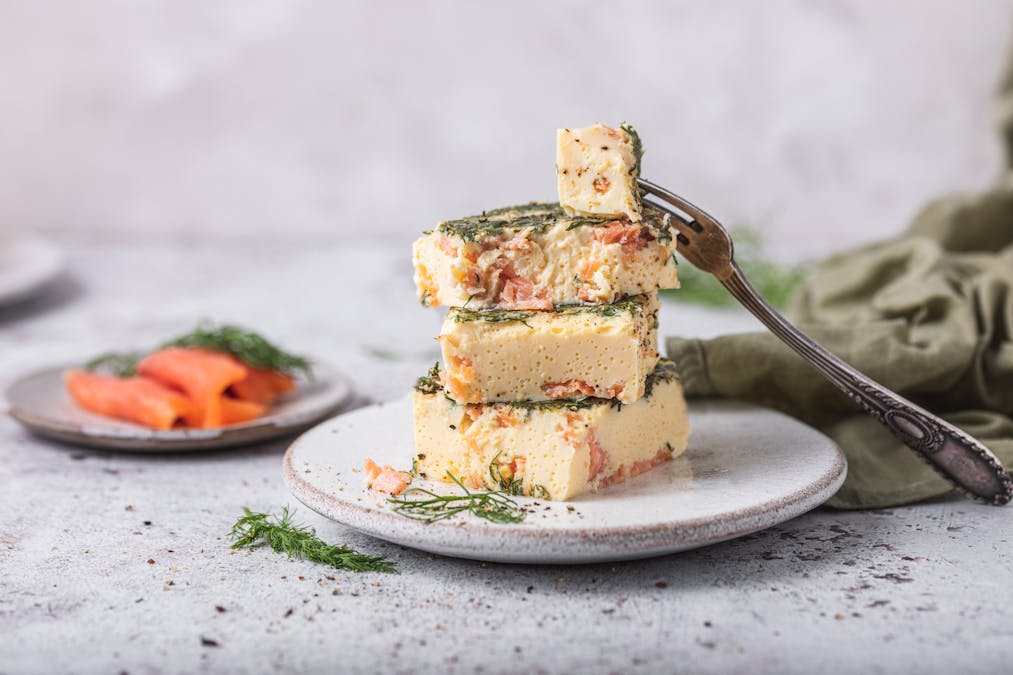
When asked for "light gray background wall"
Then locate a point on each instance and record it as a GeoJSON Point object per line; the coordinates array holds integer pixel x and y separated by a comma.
{"type": "Point", "coordinates": [825, 122]}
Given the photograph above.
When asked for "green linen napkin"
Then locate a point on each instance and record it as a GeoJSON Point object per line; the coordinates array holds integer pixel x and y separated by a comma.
{"type": "Point", "coordinates": [928, 314]}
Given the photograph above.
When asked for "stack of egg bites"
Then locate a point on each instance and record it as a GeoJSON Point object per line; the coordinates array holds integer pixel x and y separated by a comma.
{"type": "Point", "coordinates": [551, 384]}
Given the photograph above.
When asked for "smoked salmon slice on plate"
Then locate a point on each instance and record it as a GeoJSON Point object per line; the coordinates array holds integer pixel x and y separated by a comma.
{"type": "Point", "coordinates": [213, 387]}
{"type": "Point", "coordinates": [203, 375]}
{"type": "Point", "coordinates": [262, 386]}
{"type": "Point", "coordinates": [236, 411]}
{"type": "Point", "coordinates": [135, 399]}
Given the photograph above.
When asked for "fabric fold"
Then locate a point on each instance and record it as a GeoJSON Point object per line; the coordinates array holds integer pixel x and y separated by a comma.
{"type": "Point", "coordinates": [929, 314]}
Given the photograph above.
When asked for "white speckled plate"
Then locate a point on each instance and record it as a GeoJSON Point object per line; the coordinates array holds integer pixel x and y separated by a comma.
{"type": "Point", "coordinates": [41, 403]}
{"type": "Point", "coordinates": [27, 265]}
{"type": "Point", "coordinates": [746, 468]}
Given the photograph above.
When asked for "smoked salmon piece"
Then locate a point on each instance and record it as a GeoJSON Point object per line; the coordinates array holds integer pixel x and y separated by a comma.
{"type": "Point", "coordinates": [262, 386]}
{"type": "Point", "coordinates": [134, 399]}
{"type": "Point", "coordinates": [236, 411]}
{"type": "Point", "coordinates": [201, 374]}
{"type": "Point", "coordinates": [633, 237]}
{"type": "Point", "coordinates": [386, 478]}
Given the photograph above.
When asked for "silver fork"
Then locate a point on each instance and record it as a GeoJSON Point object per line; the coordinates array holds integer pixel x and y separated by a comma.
{"type": "Point", "coordinates": [962, 460]}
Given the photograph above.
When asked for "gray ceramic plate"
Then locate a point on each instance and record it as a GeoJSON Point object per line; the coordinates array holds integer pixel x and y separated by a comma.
{"type": "Point", "coordinates": [746, 468]}
{"type": "Point", "coordinates": [41, 403]}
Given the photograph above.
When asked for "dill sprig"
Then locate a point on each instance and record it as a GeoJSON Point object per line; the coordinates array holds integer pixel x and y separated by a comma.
{"type": "Point", "coordinates": [633, 305]}
{"type": "Point", "coordinates": [638, 146]}
{"type": "Point", "coordinates": [249, 347]}
{"type": "Point", "coordinates": [117, 364]}
{"type": "Point", "coordinates": [663, 372]}
{"type": "Point", "coordinates": [580, 221]}
{"type": "Point", "coordinates": [254, 530]}
{"type": "Point", "coordinates": [513, 486]}
{"type": "Point", "coordinates": [534, 218]}
{"type": "Point", "coordinates": [430, 382]}
{"type": "Point", "coordinates": [495, 506]}
{"type": "Point", "coordinates": [572, 405]}
{"type": "Point", "coordinates": [492, 315]}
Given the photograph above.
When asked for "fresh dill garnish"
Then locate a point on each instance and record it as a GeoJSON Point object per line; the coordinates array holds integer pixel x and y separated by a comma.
{"type": "Point", "coordinates": [539, 492]}
{"type": "Point", "coordinates": [117, 364]}
{"type": "Point", "coordinates": [495, 506]}
{"type": "Point", "coordinates": [638, 146]}
{"type": "Point", "coordinates": [513, 486]}
{"type": "Point", "coordinates": [633, 305]}
{"type": "Point", "coordinates": [247, 346]}
{"type": "Point", "coordinates": [534, 218]}
{"type": "Point", "coordinates": [558, 404]}
{"type": "Point", "coordinates": [663, 226]}
{"type": "Point", "coordinates": [493, 315]}
{"type": "Point", "coordinates": [254, 530]}
{"type": "Point", "coordinates": [665, 371]}
{"type": "Point", "coordinates": [430, 382]}
{"type": "Point", "coordinates": [580, 221]}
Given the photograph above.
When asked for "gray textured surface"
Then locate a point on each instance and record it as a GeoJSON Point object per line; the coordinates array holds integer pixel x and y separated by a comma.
{"type": "Point", "coordinates": [925, 589]}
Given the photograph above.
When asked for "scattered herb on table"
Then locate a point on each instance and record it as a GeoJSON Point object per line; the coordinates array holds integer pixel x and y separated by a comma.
{"type": "Point", "coordinates": [254, 530]}
{"type": "Point", "coordinates": [495, 506]}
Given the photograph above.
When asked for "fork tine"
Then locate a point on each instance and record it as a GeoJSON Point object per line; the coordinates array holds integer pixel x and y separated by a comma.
{"type": "Point", "coordinates": [705, 244]}
{"type": "Point", "coordinates": [679, 222]}
{"type": "Point", "coordinates": [694, 211]}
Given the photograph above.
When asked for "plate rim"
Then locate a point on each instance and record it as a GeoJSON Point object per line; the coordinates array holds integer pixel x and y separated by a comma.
{"type": "Point", "coordinates": [139, 439]}
{"type": "Point", "coordinates": [687, 533]}
{"type": "Point", "coordinates": [26, 288]}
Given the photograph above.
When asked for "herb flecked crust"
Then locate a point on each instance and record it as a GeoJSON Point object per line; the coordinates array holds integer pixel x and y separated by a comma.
{"type": "Point", "coordinates": [665, 371]}
{"type": "Point", "coordinates": [531, 218]}
{"type": "Point", "coordinates": [633, 305]}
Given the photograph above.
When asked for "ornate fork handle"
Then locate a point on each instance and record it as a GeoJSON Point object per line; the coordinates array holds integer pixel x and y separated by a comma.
{"type": "Point", "coordinates": [962, 460]}
{"type": "Point", "coordinates": [965, 462]}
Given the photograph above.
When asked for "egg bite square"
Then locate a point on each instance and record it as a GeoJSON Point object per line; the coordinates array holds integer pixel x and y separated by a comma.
{"type": "Point", "coordinates": [572, 352]}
